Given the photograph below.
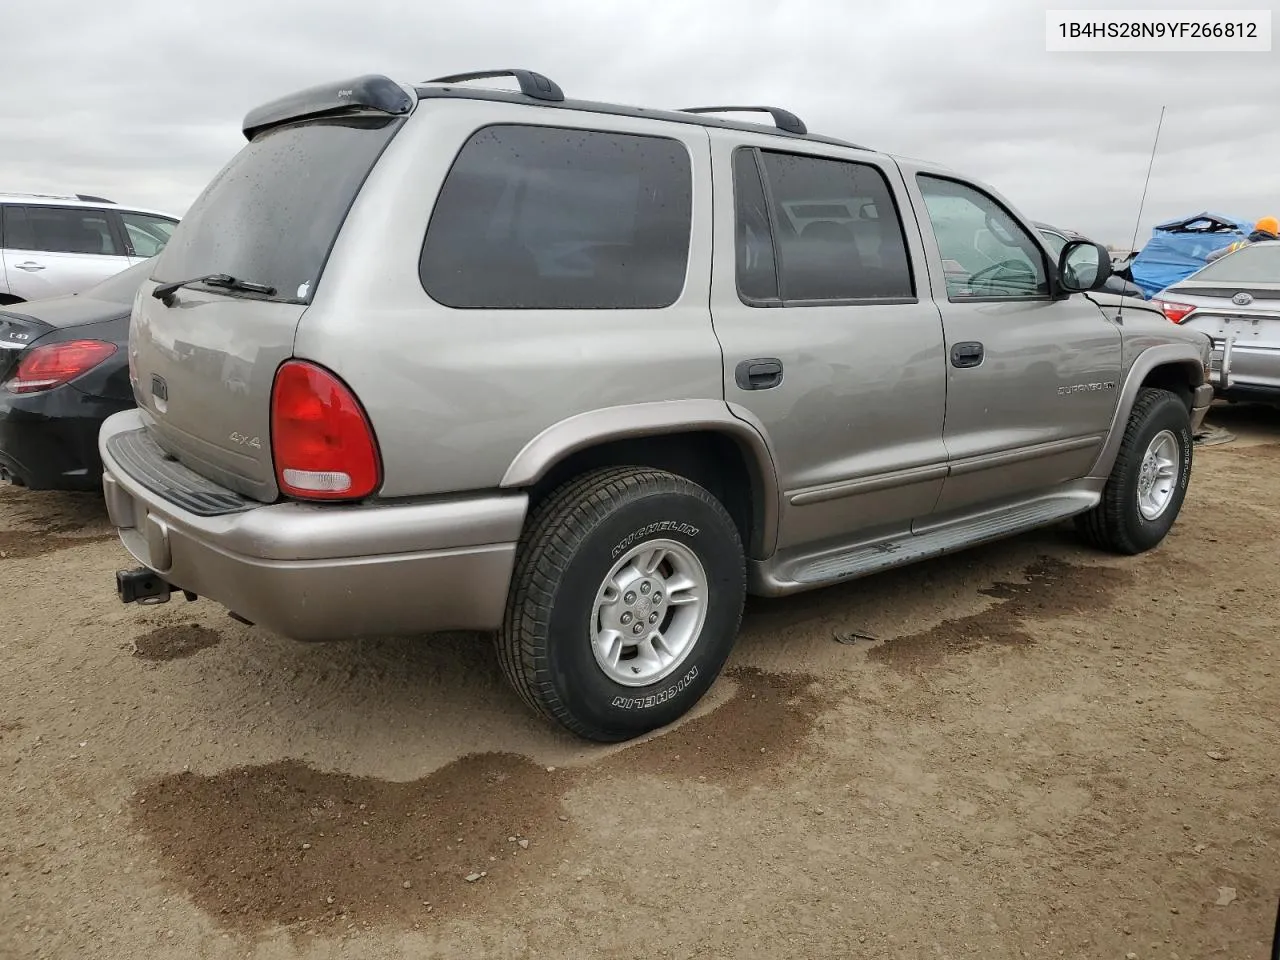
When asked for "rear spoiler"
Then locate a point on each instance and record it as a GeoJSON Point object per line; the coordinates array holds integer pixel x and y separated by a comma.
{"type": "Point", "coordinates": [368, 92]}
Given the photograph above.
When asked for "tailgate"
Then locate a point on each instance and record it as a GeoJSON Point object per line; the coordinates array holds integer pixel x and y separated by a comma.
{"type": "Point", "coordinates": [204, 359]}
{"type": "Point", "coordinates": [204, 370]}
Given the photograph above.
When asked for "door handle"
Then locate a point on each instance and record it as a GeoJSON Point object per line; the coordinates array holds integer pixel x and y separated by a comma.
{"type": "Point", "coordinates": [759, 374]}
{"type": "Point", "coordinates": [967, 354]}
{"type": "Point", "coordinates": [30, 266]}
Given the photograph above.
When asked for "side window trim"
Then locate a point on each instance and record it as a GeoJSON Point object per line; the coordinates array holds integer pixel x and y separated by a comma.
{"type": "Point", "coordinates": [124, 246]}
{"type": "Point", "coordinates": [779, 262]}
{"type": "Point", "coordinates": [771, 222]}
{"type": "Point", "coordinates": [1036, 243]}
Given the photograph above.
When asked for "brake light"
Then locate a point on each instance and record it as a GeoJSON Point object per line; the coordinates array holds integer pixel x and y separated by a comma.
{"type": "Point", "coordinates": [1177, 312]}
{"type": "Point", "coordinates": [321, 441]}
{"type": "Point", "coordinates": [43, 368]}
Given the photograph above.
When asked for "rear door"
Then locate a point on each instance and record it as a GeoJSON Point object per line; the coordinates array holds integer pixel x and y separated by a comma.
{"type": "Point", "coordinates": [52, 250]}
{"type": "Point", "coordinates": [205, 363]}
{"type": "Point", "coordinates": [1032, 377]}
{"type": "Point", "coordinates": [831, 341]}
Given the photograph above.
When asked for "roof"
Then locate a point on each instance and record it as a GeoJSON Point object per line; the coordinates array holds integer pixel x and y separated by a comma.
{"type": "Point", "coordinates": [76, 200]}
{"type": "Point", "coordinates": [72, 198]}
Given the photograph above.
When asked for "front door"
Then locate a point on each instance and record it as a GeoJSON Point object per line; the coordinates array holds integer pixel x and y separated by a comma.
{"type": "Point", "coordinates": [831, 341]}
{"type": "Point", "coordinates": [50, 251]}
{"type": "Point", "coordinates": [1033, 376]}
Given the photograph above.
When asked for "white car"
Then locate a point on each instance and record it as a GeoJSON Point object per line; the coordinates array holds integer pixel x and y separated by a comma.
{"type": "Point", "coordinates": [51, 246]}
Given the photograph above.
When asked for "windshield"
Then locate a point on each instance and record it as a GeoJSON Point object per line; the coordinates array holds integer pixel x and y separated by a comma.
{"type": "Point", "coordinates": [1256, 263]}
{"type": "Point", "coordinates": [271, 216]}
{"type": "Point", "coordinates": [121, 287]}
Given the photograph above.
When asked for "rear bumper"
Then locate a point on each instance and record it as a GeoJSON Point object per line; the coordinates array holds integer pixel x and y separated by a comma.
{"type": "Point", "coordinates": [49, 440]}
{"type": "Point", "coordinates": [326, 572]}
{"type": "Point", "coordinates": [1245, 371]}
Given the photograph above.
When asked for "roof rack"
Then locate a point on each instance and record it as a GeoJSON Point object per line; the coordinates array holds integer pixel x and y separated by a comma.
{"type": "Point", "coordinates": [531, 84]}
{"type": "Point", "coordinates": [782, 119]}
{"type": "Point", "coordinates": [537, 87]}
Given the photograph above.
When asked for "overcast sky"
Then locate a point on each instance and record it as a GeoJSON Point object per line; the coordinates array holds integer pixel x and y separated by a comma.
{"type": "Point", "coordinates": [141, 101]}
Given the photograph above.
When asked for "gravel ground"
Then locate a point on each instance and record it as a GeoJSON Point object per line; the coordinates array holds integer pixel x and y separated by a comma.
{"type": "Point", "coordinates": [1027, 750]}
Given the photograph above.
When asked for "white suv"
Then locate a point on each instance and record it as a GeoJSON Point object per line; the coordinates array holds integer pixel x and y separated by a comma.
{"type": "Point", "coordinates": [50, 246]}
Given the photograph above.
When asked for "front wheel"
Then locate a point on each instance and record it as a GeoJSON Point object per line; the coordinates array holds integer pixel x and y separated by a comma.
{"type": "Point", "coordinates": [625, 602]}
{"type": "Point", "coordinates": [1149, 480]}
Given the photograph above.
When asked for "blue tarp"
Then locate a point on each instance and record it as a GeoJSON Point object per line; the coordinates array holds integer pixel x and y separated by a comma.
{"type": "Point", "coordinates": [1177, 249]}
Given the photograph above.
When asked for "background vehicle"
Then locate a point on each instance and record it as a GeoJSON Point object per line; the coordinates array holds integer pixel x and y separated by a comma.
{"type": "Point", "coordinates": [1236, 301]}
{"type": "Point", "coordinates": [1119, 296]}
{"type": "Point", "coordinates": [584, 375]}
{"type": "Point", "coordinates": [51, 246]}
{"type": "Point", "coordinates": [1058, 238]}
{"type": "Point", "coordinates": [63, 370]}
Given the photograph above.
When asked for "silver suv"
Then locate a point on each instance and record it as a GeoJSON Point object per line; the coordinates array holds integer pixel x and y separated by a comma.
{"type": "Point", "coordinates": [436, 357]}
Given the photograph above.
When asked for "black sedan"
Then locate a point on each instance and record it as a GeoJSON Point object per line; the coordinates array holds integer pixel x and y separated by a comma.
{"type": "Point", "coordinates": [64, 368]}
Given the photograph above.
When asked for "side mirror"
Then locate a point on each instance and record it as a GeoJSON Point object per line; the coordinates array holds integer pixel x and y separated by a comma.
{"type": "Point", "coordinates": [1083, 265]}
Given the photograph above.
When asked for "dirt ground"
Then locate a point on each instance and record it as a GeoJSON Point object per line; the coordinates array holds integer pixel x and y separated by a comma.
{"type": "Point", "coordinates": [1027, 750]}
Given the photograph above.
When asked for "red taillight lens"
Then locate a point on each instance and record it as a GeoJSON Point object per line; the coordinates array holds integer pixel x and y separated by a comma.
{"type": "Point", "coordinates": [54, 364]}
{"type": "Point", "coordinates": [321, 440]}
{"type": "Point", "coordinates": [1177, 312]}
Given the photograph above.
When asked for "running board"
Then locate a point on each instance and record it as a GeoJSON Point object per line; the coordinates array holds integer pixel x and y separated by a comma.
{"type": "Point", "coordinates": [805, 573]}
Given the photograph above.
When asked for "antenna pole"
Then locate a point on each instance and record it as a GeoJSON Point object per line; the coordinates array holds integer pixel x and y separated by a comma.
{"type": "Point", "coordinates": [1143, 202]}
{"type": "Point", "coordinates": [1133, 243]}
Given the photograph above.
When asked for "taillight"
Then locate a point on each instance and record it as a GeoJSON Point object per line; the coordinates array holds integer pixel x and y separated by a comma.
{"type": "Point", "coordinates": [321, 440]}
{"type": "Point", "coordinates": [1177, 312]}
{"type": "Point", "coordinates": [43, 368]}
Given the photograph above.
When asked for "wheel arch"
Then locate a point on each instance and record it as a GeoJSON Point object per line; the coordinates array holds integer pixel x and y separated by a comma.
{"type": "Point", "coordinates": [710, 442]}
{"type": "Point", "coordinates": [1175, 367]}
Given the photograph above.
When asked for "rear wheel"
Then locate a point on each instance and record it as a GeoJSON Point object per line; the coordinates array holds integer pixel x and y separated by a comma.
{"type": "Point", "coordinates": [625, 602]}
{"type": "Point", "coordinates": [1149, 480]}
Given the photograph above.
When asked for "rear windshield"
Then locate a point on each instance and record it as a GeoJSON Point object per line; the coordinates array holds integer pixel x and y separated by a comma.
{"type": "Point", "coordinates": [1251, 264]}
{"type": "Point", "coordinates": [271, 216]}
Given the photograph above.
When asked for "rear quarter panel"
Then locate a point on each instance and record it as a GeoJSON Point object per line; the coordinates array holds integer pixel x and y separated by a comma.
{"type": "Point", "coordinates": [454, 395]}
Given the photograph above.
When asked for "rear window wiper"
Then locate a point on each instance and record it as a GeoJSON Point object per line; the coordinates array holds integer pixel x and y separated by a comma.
{"type": "Point", "coordinates": [166, 290]}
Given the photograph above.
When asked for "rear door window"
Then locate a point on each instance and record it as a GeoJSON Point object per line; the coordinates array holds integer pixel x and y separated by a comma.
{"type": "Point", "coordinates": [59, 230]}
{"type": "Point", "coordinates": [533, 217]}
{"type": "Point", "coordinates": [836, 232]}
{"type": "Point", "coordinates": [272, 214]}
